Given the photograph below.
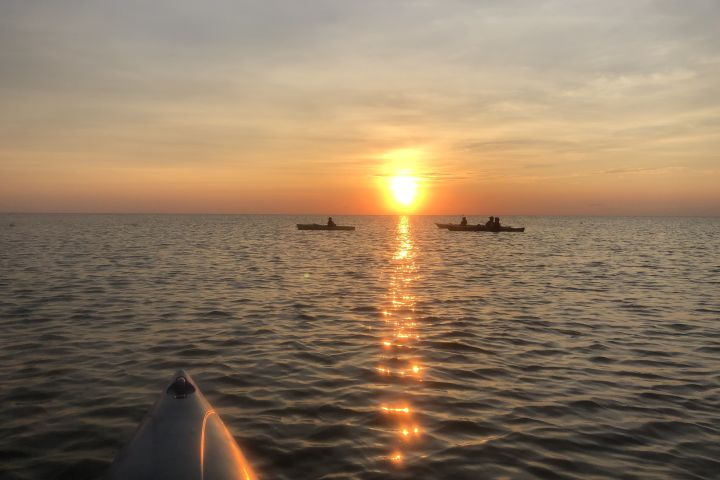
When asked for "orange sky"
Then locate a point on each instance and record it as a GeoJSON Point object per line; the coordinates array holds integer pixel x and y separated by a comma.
{"type": "Point", "coordinates": [310, 107]}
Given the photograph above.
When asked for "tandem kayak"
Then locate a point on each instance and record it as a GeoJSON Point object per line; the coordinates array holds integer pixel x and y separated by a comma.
{"type": "Point", "coordinates": [182, 438]}
{"type": "Point", "coordinates": [483, 228]}
{"type": "Point", "coordinates": [316, 226]}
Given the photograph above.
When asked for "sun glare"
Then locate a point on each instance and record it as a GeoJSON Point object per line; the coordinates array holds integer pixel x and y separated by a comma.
{"type": "Point", "coordinates": [404, 189]}
{"type": "Point", "coordinates": [400, 178]}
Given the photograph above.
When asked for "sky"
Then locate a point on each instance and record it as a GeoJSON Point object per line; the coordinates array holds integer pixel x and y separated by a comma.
{"type": "Point", "coordinates": [536, 107]}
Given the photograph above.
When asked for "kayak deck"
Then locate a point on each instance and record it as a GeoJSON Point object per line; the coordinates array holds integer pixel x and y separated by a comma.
{"type": "Point", "coordinates": [182, 438]}
{"type": "Point", "coordinates": [316, 226]}
{"type": "Point", "coordinates": [483, 228]}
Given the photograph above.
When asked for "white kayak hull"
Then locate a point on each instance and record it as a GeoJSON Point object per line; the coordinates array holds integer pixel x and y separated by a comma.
{"type": "Point", "coordinates": [182, 438]}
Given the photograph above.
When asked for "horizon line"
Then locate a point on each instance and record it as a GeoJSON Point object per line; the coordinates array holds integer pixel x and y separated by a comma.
{"type": "Point", "coordinates": [653, 215]}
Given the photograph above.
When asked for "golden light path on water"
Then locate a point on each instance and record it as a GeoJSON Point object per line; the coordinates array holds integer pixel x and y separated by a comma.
{"type": "Point", "coordinates": [400, 365]}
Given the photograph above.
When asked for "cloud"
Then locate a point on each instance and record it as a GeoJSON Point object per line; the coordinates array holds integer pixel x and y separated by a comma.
{"type": "Point", "coordinates": [435, 177]}
{"type": "Point", "coordinates": [645, 170]}
{"type": "Point", "coordinates": [497, 89]}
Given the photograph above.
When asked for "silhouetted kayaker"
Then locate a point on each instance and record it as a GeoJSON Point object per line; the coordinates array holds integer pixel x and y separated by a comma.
{"type": "Point", "coordinates": [496, 224]}
{"type": "Point", "coordinates": [490, 222]}
{"type": "Point", "coordinates": [463, 222]}
{"type": "Point", "coordinates": [330, 222]}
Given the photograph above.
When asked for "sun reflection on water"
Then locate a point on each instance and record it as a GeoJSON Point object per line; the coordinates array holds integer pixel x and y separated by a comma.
{"type": "Point", "coordinates": [400, 368]}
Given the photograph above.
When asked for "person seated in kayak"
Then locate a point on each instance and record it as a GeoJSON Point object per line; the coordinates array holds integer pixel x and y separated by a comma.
{"type": "Point", "coordinates": [330, 222]}
{"type": "Point", "coordinates": [490, 222]}
{"type": "Point", "coordinates": [496, 224]}
{"type": "Point", "coordinates": [463, 222]}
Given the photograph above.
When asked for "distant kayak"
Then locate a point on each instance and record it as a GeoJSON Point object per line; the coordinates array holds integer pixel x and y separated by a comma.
{"type": "Point", "coordinates": [482, 228]}
{"type": "Point", "coordinates": [316, 226]}
{"type": "Point", "coordinates": [182, 438]}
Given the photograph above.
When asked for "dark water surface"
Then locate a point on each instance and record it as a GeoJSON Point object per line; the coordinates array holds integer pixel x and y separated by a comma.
{"type": "Point", "coordinates": [585, 348]}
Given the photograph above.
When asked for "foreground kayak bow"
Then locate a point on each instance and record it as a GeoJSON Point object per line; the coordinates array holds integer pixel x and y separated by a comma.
{"type": "Point", "coordinates": [182, 438]}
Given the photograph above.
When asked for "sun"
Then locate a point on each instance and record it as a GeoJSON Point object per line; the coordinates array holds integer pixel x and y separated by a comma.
{"type": "Point", "coordinates": [404, 189]}
{"type": "Point", "coordinates": [400, 178]}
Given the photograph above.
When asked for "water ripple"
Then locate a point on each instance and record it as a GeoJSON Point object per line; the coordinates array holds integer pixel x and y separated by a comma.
{"type": "Point", "coordinates": [583, 348]}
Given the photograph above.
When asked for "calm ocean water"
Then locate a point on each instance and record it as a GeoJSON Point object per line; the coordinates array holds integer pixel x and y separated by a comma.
{"type": "Point", "coordinates": [585, 348]}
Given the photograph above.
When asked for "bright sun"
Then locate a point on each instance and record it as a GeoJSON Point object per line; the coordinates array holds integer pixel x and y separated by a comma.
{"type": "Point", "coordinates": [404, 189]}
